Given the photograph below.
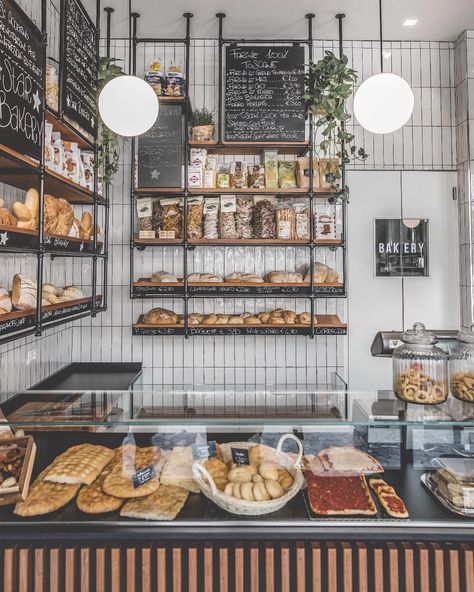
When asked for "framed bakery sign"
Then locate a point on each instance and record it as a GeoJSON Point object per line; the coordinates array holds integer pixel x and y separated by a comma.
{"type": "Point", "coordinates": [401, 248]}
{"type": "Point", "coordinates": [21, 81]}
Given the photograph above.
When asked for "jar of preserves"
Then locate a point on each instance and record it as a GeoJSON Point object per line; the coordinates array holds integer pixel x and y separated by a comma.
{"type": "Point", "coordinates": [420, 369]}
{"type": "Point", "coordinates": [461, 367]}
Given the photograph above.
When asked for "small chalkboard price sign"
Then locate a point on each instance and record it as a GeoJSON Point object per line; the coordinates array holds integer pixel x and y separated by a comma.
{"type": "Point", "coordinates": [264, 99]}
{"type": "Point", "coordinates": [79, 63]}
{"type": "Point", "coordinates": [21, 81]}
{"type": "Point", "coordinates": [161, 150]}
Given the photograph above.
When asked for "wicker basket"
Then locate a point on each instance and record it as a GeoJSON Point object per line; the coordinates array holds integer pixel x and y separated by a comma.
{"type": "Point", "coordinates": [244, 507]}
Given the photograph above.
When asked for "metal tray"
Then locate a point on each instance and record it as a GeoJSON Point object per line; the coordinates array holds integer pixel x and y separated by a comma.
{"type": "Point", "coordinates": [432, 488]}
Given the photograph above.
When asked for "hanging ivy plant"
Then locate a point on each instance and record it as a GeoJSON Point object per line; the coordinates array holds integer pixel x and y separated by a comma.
{"type": "Point", "coordinates": [108, 141]}
{"type": "Point", "coordinates": [329, 85]}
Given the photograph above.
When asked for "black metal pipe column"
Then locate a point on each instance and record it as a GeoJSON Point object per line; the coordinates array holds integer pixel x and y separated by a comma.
{"type": "Point", "coordinates": [109, 11]}
{"type": "Point", "coordinates": [187, 43]}
{"type": "Point", "coordinates": [340, 18]}
{"type": "Point", "coordinates": [96, 176]}
{"type": "Point", "coordinates": [134, 16]}
{"type": "Point", "coordinates": [220, 115]}
{"type": "Point", "coordinates": [42, 173]}
{"type": "Point", "coordinates": [310, 17]}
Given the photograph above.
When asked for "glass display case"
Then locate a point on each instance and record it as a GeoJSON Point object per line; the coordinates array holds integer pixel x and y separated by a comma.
{"type": "Point", "coordinates": [198, 461]}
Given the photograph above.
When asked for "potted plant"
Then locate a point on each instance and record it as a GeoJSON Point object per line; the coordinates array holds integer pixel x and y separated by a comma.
{"type": "Point", "coordinates": [108, 141]}
{"type": "Point", "coordinates": [329, 85]}
{"type": "Point", "coordinates": [202, 125]}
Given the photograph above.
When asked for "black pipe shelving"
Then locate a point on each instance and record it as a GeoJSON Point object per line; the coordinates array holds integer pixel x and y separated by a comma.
{"type": "Point", "coordinates": [22, 172]}
{"type": "Point", "coordinates": [144, 288]}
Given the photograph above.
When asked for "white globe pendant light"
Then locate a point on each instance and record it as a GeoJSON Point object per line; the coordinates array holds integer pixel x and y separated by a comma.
{"type": "Point", "coordinates": [384, 102]}
{"type": "Point", "coordinates": [128, 106]}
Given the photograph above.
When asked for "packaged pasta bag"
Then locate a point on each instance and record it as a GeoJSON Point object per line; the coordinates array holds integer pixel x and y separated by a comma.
{"type": "Point", "coordinates": [264, 217]}
{"type": "Point", "coordinates": [195, 217]}
{"type": "Point", "coordinates": [238, 175]}
{"type": "Point", "coordinates": [256, 176]}
{"type": "Point", "coordinates": [172, 218]}
{"type": "Point", "coordinates": [243, 217]}
{"type": "Point", "coordinates": [211, 218]}
{"type": "Point", "coordinates": [302, 219]}
{"type": "Point", "coordinates": [227, 227]}
{"type": "Point", "coordinates": [287, 174]}
{"type": "Point", "coordinates": [285, 216]}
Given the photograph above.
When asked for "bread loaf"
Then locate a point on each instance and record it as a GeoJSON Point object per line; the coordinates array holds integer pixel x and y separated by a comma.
{"type": "Point", "coordinates": [322, 274]}
{"type": "Point", "coordinates": [163, 277]}
{"type": "Point", "coordinates": [72, 293]}
{"type": "Point", "coordinates": [305, 318]}
{"type": "Point", "coordinates": [24, 292]}
{"type": "Point", "coordinates": [58, 216]}
{"type": "Point", "coordinates": [6, 218]}
{"type": "Point", "coordinates": [5, 300]}
{"type": "Point", "coordinates": [160, 316]}
{"type": "Point", "coordinates": [32, 202]}
{"type": "Point", "coordinates": [21, 211]}
{"type": "Point", "coordinates": [277, 277]}
{"type": "Point", "coordinates": [87, 227]}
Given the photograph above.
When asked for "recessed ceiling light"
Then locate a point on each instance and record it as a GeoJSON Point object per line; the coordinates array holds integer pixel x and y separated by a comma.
{"type": "Point", "coordinates": [410, 22]}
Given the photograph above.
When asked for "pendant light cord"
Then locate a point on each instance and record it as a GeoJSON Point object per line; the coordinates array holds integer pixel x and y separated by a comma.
{"type": "Point", "coordinates": [381, 36]}
{"type": "Point", "coordinates": [129, 36]}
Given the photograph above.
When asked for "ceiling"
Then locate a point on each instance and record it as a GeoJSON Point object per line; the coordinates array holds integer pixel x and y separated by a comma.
{"type": "Point", "coordinates": [437, 19]}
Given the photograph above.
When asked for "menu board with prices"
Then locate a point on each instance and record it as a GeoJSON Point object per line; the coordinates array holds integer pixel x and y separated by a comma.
{"type": "Point", "coordinates": [161, 150]}
{"type": "Point", "coordinates": [264, 96]}
{"type": "Point", "coordinates": [21, 81]}
{"type": "Point", "coordinates": [79, 78]}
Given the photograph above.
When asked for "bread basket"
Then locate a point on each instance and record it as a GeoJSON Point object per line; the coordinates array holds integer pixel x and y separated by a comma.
{"type": "Point", "coordinates": [251, 508]}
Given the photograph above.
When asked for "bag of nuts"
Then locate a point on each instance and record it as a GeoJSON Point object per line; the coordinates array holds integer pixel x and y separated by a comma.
{"type": "Point", "coordinates": [227, 227]}
{"type": "Point", "coordinates": [243, 217]}
{"type": "Point", "coordinates": [264, 217]}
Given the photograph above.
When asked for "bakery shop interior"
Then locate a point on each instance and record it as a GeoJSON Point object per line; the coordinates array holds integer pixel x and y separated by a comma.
{"type": "Point", "coordinates": [236, 295]}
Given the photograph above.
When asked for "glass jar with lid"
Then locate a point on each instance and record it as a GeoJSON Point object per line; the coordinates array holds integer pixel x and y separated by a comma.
{"type": "Point", "coordinates": [461, 367]}
{"type": "Point", "coordinates": [420, 369]}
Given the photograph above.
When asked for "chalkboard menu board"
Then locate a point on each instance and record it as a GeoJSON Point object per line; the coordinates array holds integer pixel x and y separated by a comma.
{"type": "Point", "coordinates": [21, 81]}
{"type": "Point", "coordinates": [79, 60]}
{"type": "Point", "coordinates": [264, 94]}
{"type": "Point", "coordinates": [401, 248]}
{"type": "Point", "coordinates": [161, 149]}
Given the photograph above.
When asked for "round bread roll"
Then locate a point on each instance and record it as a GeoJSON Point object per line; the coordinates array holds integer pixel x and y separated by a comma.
{"type": "Point", "coordinates": [194, 319]}
{"type": "Point", "coordinates": [260, 492]}
{"type": "Point", "coordinates": [264, 317]}
{"type": "Point", "coordinates": [222, 319]}
{"type": "Point", "coordinates": [229, 489]}
{"type": "Point", "coordinates": [50, 298]}
{"type": "Point", "coordinates": [275, 490]}
{"type": "Point", "coordinates": [276, 320]}
{"type": "Point", "coordinates": [236, 321]}
{"type": "Point", "coordinates": [240, 475]}
{"type": "Point", "coordinates": [252, 321]}
{"type": "Point", "coordinates": [210, 319]}
{"type": "Point", "coordinates": [236, 490]}
{"type": "Point", "coordinates": [285, 479]}
{"type": "Point", "coordinates": [157, 316]}
{"type": "Point", "coordinates": [268, 471]}
{"type": "Point", "coordinates": [246, 491]}
{"type": "Point", "coordinates": [257, 478]}
{"type": "Point", "coordinates": [72, 293]}
{"type": "Point", "coordinates": [256, 454]}
{"type": "Point", "coordinates": [305, 318]}
{"type": "Point", "coordinates": [289, 317]}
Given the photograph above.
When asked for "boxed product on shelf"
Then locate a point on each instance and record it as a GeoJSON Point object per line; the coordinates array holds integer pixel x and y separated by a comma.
{"type": "Point", "coordinates": [71, 160]}
{"type": "Point", "coordinates": [195, 177]}
{"type": "Point", "coordinates": [325, 222]}
{"type": "Point", "coordinates": [198, 157]}
{"type": "Point", "coordinates": [210, 179]}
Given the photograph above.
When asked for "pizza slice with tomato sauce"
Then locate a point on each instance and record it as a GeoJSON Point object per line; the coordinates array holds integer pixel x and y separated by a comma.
{"type": "Point", "coordinates": [391, 502]}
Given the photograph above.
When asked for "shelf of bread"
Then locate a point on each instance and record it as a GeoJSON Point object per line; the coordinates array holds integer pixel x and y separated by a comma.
{"type": "Point", "coordinates": [274, 283]}
{"type": "Point", "coordinates": [250, 147]}
{"type": "Point", "coordinates": [63, 230]}
{"type": "Point", "coordinates": [160, 321]}
{"type": "Point", "coordinates": [68, 131]}
{"type": "Point", "coordinates": [57, 184]}
{"type": "Point", "coordinates": [18, 305]}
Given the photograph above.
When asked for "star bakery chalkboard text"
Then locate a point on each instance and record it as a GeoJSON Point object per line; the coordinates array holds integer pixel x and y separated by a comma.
{"type": "Point", "coordinates": [21, 81]}
{"type": "Point", "coordinates": [264, 99]}
{"type": "Point", "coordinates": [79, 79]}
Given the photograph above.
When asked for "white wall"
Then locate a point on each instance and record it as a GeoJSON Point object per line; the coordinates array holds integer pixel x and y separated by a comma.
{"type": "Point", "coordinates": [394, 303]}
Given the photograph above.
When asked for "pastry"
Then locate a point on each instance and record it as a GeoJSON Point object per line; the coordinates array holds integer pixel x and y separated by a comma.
{"type": "Point", "coordinates": [160, 316]}
{"type": "Point", "coordinates": [305, 318]}
{"type": "Point", "coordinates": [391, 502]}
{"type": "Point", "coordinates": [246, 491]}
{"type": "Point", "coordinates": [289, 317]}
{"type": "Point", "coordinates": [120, 483]}
{"type": "Point", "coordinates": [260, 492]}
{"type": "Point", "coordinates": [45, 497]}
{"type": "Point", "coordinates": [284, 277]}
{"type": "Point", "coordinates": [251, 320]}
{"type": "Point", "coordinates": [93, 500]}
{"type": "Point", "coordinates": [210, 319]}
{"type": "Point", "coordinates": [222, 319]}
{"type": "Point", "coordinates": [218, 471]}
{"type": "Point", "coordinates": [274, 489]}
{"type": "Point", "coordinates": [178, 469]}
{"type": "Point", "coordinates": [72, 293]}
{"type": "Point", "coordinates": [164, 504]}
{"type": "Point", "coordinates": [346, 458]}
{"type": "Point", "coordinates": [195, 319]}
{"type": "Point", "coordinates": [264, 317]}
{"type": "Point", "coordinates": [24, 292]}
{"type": "Point", "coordinates": [80, 464]}
{"type": "Point", "coordinates": [236, 321]}
{"type": "Point", "coordinates": [416, 386]}
{"type": "Point", "coordinates": [58, 216]}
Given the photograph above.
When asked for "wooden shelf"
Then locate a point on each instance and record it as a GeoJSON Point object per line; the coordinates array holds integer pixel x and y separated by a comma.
{"type": "Point", "coordinates": [248, 191]}
{"type": "Point", "coordinates": [69, 132]}
{"type": "Point", "coordinates": [159, 242]}
{"type": "Point", "coordinates": [231, 242]}
{"type": "Point", "coordinates": [13, 322]}
{"type": "Point", "coordinates": [251, 147]}
{"type": "Point", "coordinates": [11, 159]}
{"type": "Point", "coordinates": [158, 190]}
{"type": "Point", "coordinates": [59, 186]}
{"type": "Point", "coordinates": [326, 325]}
{"type": "Point", "coordinates": [170, 99]}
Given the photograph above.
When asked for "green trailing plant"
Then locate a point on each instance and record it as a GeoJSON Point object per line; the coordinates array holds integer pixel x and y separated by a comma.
{"type": "Point", "coordinates": [329, 85]}
{"type": "Point", "coordinates": [108, 141]}
{"type": "Point", "coordinates": [201, 117]}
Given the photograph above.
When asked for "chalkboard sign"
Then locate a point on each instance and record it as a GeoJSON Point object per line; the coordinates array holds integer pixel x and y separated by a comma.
{"type": "Point", "coordinates": [161, 149]}
{"type": "Point", "coordinates": [21, 81]}
{"type": "Point", "coordinates": [264, 94]}
{"type": "Point", "coordinates": [401, 248]}
{"type": "Point", "coordinates": [79, 63]}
